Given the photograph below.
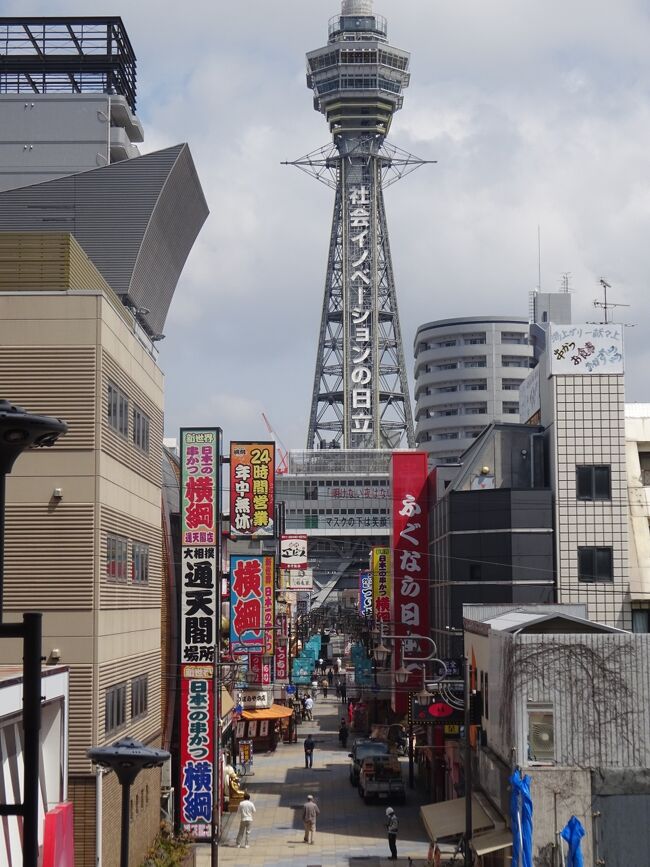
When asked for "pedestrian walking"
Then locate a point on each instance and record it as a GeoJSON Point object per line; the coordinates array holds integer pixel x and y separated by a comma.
{"type": "Point", "coordinates": [330, 677]}
{"type": "Point", "coordinates": [309, 707]}
{"type": "Point", "coordinates": [309, 751]}
{"type": "Point", "coordinates": [343, 732]}
{"type": "Point", "coordinates": [309, 813]}
{"type": "Point", "coordinates": [320, 664]}
{"type": "Point", "coordinates": [324, 685]}
{"type": "Point", "coordinates": [338, 663]}
{"type": "Point", "coordinates": [337, 688]}
{"type": "Point", "coordinates": [314, 686]}
{"type": "Point", "coordinates": [245, 811]}
{"type": "Point", "coordinates": [392, 826]}
{"type": "Point", "coordinates": [344, 692]}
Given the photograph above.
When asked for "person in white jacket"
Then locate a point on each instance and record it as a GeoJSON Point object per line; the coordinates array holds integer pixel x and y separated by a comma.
{"type": "Point", "coordinates": [245, 810]}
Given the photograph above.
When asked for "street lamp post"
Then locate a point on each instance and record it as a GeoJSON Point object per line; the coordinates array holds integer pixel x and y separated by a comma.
{"type": "Point", "coordinates": [127, 757]}
{"type": "Point", "coordinates": [19, 431]}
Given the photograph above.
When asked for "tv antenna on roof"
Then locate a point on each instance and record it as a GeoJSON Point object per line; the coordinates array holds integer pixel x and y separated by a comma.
{"type": "Point", "coordinates": [606, 305]}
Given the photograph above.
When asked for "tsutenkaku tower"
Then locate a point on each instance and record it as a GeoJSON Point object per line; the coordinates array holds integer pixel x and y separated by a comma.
{"type": "Point", "coordinates": [361, 397]}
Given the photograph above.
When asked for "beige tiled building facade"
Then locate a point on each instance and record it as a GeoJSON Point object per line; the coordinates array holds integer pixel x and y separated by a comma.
{"type": "Point", "coordinates": [83, 539]}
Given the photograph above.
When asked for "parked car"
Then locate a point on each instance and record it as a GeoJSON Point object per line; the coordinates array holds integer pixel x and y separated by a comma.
{"type": "Point", "coordinates": [381, 777]}
{"type": "Point", "coordinates": [361, 749]}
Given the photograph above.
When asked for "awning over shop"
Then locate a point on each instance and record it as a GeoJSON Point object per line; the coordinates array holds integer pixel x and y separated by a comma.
{"type": "Point", "coordinates": [447, 818]}
{"type": "Point", "coordinates": [493, 841]}
{"type": "Point", "coordinates": [276, 711]}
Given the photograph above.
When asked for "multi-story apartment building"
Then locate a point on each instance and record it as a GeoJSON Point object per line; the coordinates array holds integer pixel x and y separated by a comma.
{"type": "Point", "coordinates": [467, 374]}
{"type": "Point", "coordinates": [637, 453]}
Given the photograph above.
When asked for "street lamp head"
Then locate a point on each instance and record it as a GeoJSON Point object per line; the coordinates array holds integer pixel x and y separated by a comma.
{"type": "Point", "coordinates": [20, 430]}
{"type": "Point", "coordinates": [381, 653]}
{"type": "Point", "coordinates": [402, 675]}
{"type": "Point", "coordinates": [127, 757]}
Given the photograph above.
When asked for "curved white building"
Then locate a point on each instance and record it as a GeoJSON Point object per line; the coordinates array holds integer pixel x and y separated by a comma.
{"type": "Point", "coordinates": [467, 374]}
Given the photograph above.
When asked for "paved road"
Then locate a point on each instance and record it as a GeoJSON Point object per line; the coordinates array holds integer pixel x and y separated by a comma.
{"type": "Point", "coordinates": [349, 833]}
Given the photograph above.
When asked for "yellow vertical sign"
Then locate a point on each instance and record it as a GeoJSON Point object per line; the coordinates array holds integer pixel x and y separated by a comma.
{"type": "Point", "coordinates": [382, 588]}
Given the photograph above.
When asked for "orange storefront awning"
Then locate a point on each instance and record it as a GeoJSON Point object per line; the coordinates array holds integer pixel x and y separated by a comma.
{"type": "Point", "coordinates": [276, 711]}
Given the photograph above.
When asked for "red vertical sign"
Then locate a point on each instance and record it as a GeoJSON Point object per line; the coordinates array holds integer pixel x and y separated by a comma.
{"type": "Point", "coordinates": [410, 511]}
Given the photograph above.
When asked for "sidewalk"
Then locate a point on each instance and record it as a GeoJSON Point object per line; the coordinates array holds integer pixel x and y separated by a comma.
{"type": "Point", "coordinates": [349, 833]}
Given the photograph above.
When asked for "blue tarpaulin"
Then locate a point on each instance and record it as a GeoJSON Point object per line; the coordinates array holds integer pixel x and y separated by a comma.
{"type": "Point", "coordinates": [573, 832]}
{"type": "Point", "coordinates": [521, 817]}
{"type": "Point", "coordinates": [515, 793]}
{"type": "Point", "coordinates": [526, 823]}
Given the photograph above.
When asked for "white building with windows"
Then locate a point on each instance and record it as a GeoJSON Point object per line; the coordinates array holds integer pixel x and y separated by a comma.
{"type": "Point", "coordinates": [566, 700]}
{"type": "Point", "coordinates": [467, 374]}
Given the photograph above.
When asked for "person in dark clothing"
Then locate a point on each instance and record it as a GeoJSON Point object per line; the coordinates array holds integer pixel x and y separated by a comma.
{"type": "Point", "coordinates": [392, 826]}
{"type": "Point", "coordinates": [309, 751]}
{"type": "Point", "coordinates": [344, 692]}
{"type": "Point", "coordinates": [343, 732]}
{"type": "Point", "coordinates": [330, 677]}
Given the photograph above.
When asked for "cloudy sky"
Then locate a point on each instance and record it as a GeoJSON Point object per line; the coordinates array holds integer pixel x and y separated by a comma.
{"type": "Point", "coordinates": [538, 113]}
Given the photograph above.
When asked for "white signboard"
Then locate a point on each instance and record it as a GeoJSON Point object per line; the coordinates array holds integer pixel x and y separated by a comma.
{"type": "Point", "coordinates": [298, 579]}
{"type": "Point", "coordinates": [584, 350]}
{"type": "Point", "coordinates": [529, 396]}
{"type": "Point", "coordinates": [252, 699]}
{"type": "Point", "coordinates": [293, 552]}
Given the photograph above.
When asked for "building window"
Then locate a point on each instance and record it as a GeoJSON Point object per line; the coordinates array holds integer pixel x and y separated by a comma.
{"type": "Point", "coordinates": [511, 384]}
{"type": "Point", "coordinates": [514, 338]}
{"type": "Point", "coordinates": [475, 362]}
{"type": "Point", "coordinates": [447, 366]}
{"type": "Point", "coordinates": [479, 385]}
{"type": "Point", "coordinates": [640, 620]}
{"type": "Point", "coordinates": [139, 696]}
{"type": "Point", "coordinates": [595, 564]}
{"type": "Point", "coordinates": [118, 410]}
{"type": "Point", "coordinates": [140, 429]}
{"type": "Point", "coordinates": [510, 407]}
{"type": "Point", "coordinates": [140, 563]}
{"type": "Point", "coordinates": [115, 708]}
{"type": "Point", "coordinates": [541, 735]}
{"type": "Point", "coordinates": [593, 482]}
{"type": "Point", "coordinates": [116, 557]}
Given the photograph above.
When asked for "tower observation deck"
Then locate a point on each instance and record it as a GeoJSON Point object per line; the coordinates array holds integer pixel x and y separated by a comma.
{"type": "Point", "coordinates": [360, 397]}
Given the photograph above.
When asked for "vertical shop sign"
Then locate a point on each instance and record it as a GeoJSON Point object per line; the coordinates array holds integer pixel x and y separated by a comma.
{"type": "Point", "coordinates": [381, 583]}
{"type": "Point", "coordinates": [198, 604]}
{"type": "Point", "coordinates": [197, 750]}
{"type": "Point", "coordinates": [293, 551]}
{"type": "Point", "coordinates": [281, 662]}
{"type": "Point", "coordinates": [252, 489]}
{"type": "Point", "coordinates": [410, 515]}
{"type": "Point", "coordinates": [251, 604]}
{"type": "Point", "coordinates": [365, 593]}
{"type": "Point", "coordinates": [200, 499]}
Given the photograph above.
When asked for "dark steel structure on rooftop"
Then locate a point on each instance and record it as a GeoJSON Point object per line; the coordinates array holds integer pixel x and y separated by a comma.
{"type": "Point", "coordinates": [67, 55]}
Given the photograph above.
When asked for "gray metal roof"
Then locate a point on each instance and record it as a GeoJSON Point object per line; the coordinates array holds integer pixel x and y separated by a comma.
{"type": "Point", "coordinates": [137, 220]}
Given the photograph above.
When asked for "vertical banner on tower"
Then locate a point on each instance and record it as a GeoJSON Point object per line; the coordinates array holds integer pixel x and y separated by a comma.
{"type": "Point", "coordinates": [361, 321]}
{"type": "Point", "coordinates": [251, 604]}
{"type": "Point", "coordinates": [381, 583]}
{"type": "Point", "coordinates": [200, 499]}
{"type": "Point", "coordinates": [252, 489]}
{"type": "Point", "coordinates": [410, 514]}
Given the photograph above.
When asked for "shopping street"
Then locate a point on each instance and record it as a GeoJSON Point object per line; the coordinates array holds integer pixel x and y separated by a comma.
{"type": "Point", "coordinates": [349, 833]}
